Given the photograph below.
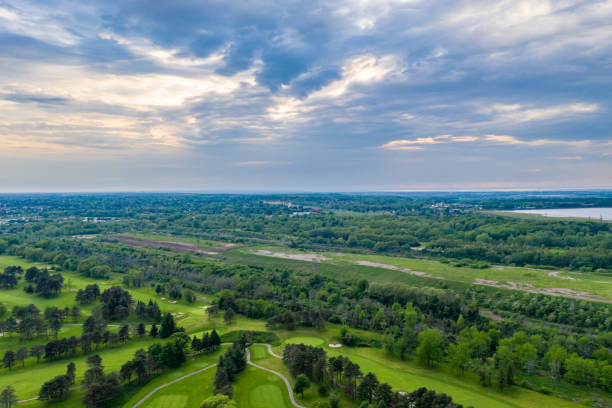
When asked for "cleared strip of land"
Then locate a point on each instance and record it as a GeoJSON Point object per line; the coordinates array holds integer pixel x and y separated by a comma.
{"type": "Point", "coordinates": [173, 245]}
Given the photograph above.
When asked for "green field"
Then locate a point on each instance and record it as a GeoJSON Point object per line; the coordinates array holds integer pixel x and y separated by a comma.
{"type": "Point", "coordinates": [256, 388]}
{"type": "Point", "coordinates": [389, 269]}
{"type": "Point", "coordinates": [185, 393]}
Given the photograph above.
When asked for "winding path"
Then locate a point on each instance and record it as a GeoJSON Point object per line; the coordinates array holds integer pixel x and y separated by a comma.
{"type": "Point", "coordinates": [248, 357]}
{"type": "Point", "coordinates": [172, 382]}
{"type": "Point", "coordinates": [289, 389]}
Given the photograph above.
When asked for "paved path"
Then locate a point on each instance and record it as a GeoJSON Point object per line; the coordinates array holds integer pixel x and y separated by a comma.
{"type": "Point", "coordinates": [172, 382]}
{"type": "Point", "coordinates": [272, 353]}
{"type": "Point", "coordinates": [248, 355]}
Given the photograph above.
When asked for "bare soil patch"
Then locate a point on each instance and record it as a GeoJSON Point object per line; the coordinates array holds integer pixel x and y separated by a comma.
{"type": "Point", "coordinates": [295, 257]}
{"type": "Point", "coordinates": [392, 267]}
{"type": "Point", "coordinates": [174, 246]}
{"type": "Point", "coordinates": [526, 287]}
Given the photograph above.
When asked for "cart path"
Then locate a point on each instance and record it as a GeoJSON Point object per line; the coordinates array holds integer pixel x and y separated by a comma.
{"type": "Point", "coordinates": [289, 389]}
{"type": "Point", "coordinates": [248, 356]}
{"type": "Point", "coordinates": [172, 382]}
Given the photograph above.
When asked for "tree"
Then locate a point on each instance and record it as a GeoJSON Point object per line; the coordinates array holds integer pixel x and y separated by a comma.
{"type": "Point", "coordinates": [124, 333]}
{"type": "Point", "coordinates": [75, 313]}
{"type": "Point", "coordinates": [223, 384]}
{"type": "Point", "coordinates": [219, 401]}
{"type": "Point", "coordinates": [56, 389]}
{"type": "Point", "coordinates": [228, 316]}
{"type": "Point", "coordinates": [95, 371]}
{"type": "Point", "coordinates": [189, 295]}
{"type": "Point", "coordinates": [365, 390]}
{"type": "Point", "coordinates": [580, 370]}
{"type": "Point", "coordinates": [167, 327]}
{"type": "Point", "coordinates": [153, 331]}
{"type": "Point", "coordinates": [8, 398]}
{"type": "Point", "coordinates": [351, 373]}
{"type": "Point", "coordinates": [215, 340]}
{"type": "Point", "coordinates": [22, 354]}
{"type": "Point", "coordinates": [37, 351]}
{"type": "Point", "coordinates": [555, 360]}
{"type": "Point", "coordinates": [301, 384]}
{"type": "Point", "coordinates": [9, 359]}
{"type": "Point", "coordinates": [102, 392]}
{"type": "Point", "coordinates": [431, 347]}
{"type": "Point", "coordinates": [383, 394]}
{"type": "Point", "coordinates": [116, 303]}
{"type": "Point", "coordinates": [140, 329]}
{"type": "Point", "coordinates": [459, 355]}
{"type": "Point", "coordinates": [71, 372]}
{"type": "Point", "coordinates": [504, 361]}
{"type": "Point", "coordinates": [55, 319]}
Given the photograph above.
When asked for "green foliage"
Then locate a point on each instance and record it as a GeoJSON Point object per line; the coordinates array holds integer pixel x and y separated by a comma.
{"type": "Point", "coordinates": [219, 401]}
{"type": "Point", "coordinates": [252, 336]}
{"type": "Point", "coordinates": [431, 347]}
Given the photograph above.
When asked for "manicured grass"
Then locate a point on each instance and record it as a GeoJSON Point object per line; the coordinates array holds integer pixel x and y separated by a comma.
{"type": "Point", "coordinates": [407, 376]}
{"type": "Point", "coordinates": [184, 394]}
{"type": "Point", "coordinates": [256, 388]}
{"type": "Point", "coordinates": [27, 381]}
{"type": "Point", "coordinates": [309, 341]}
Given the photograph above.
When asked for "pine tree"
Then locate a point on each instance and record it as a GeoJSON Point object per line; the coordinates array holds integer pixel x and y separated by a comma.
{"type": "Point", "coordinates": [215, 340]}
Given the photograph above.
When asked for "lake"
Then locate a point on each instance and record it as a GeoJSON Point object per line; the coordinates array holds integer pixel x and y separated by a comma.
{"type": "Point", "coordinates": [593, 213]}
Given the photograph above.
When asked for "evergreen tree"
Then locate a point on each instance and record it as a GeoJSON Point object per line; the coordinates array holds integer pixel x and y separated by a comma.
{"type": "Point", "coordinates": [168, 327]}
{"type": "Point", "coordinates": [8, 398]}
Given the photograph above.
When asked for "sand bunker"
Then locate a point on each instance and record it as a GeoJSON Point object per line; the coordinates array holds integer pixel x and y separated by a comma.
{"type": "Point", "coordinates": [335, 345]}
{"type": "Point", "coordinates": [293, 256]}
{"type": "Point", "coordinates": [392, 267]}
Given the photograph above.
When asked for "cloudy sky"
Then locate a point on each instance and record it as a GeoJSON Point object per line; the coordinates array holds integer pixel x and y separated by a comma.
{"type": "Point", "coordinates": [359, 95]}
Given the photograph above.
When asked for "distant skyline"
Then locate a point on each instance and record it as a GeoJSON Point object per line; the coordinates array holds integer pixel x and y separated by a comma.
{"type": "Point", "coordinates": [353, 96]}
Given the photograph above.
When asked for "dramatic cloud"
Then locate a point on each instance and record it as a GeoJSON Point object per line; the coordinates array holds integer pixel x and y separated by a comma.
{"type": "Point", "coordinates": [345, 95]}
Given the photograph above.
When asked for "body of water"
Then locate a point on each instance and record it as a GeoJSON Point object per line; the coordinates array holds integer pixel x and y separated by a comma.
{"type": "Point", "coordinates": [592, 213]}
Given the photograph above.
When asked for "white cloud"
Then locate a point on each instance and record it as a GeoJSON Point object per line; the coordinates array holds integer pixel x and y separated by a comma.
{"type": "Point", "coordinates": [359, 70]}
{"type": "Point", "coordinates": [421, 142]}
{"type": "Point", "coordinates": [519, 113]}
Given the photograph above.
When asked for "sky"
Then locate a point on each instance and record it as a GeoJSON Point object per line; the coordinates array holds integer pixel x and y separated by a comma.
{"type": "Point", "coordinates": [249, 95]}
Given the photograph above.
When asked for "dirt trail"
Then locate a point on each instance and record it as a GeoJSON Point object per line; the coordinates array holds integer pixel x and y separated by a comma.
{"type": "Point", "coordinates": [173, 246]}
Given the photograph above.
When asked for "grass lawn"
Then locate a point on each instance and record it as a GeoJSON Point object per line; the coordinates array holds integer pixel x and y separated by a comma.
{"type": "Point", "coordinates": [27, 381]}
{"type": "Point", "coordinates": [186, 393]}
{"type": "Point", "coordinates": [309, 341]}
{"type": "Point", "coordinates": [256, 388]}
